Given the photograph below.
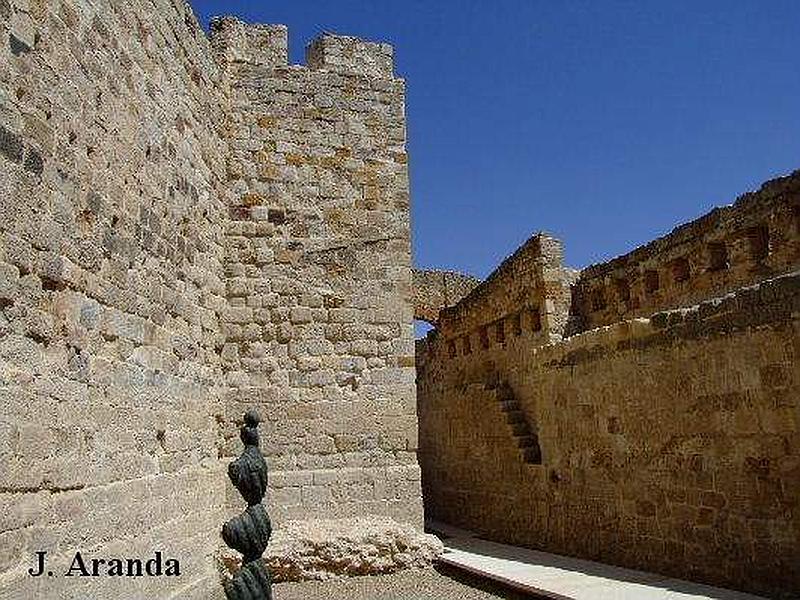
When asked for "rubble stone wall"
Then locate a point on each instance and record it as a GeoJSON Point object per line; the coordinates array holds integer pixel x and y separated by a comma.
{"type": "Point", "coordinates": [111, 283]}
{"type": "Point", "coordinates": [190, 228]}
{"type": "Point", "coordinates": [319, 326]}
{"type": "Point", "coordinates": [668, 443]}
{"type": "Point", "coordinates": [435, 290]}
{"type": "Point", "coordinates": [755, 238]}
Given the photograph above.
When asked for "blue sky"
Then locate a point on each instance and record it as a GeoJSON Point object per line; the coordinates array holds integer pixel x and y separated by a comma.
{"type": "Point", "coordinates": [606, 122]}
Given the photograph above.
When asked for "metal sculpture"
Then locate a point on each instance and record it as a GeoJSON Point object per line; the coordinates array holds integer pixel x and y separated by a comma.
{"type": "Point", "coordinates": [249, 532]}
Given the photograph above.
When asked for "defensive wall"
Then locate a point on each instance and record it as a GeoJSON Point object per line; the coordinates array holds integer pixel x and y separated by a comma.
{"type": "Point", "coordinates": [192, 227]}
{"type": "Point", "coordinates": [665, 440]}
{"type": "Point", "coordinates": [111, 284]}
{"type": "Point", "coordinates": [435, 290]}
{"type": "Point", "coordinates": [318, 328]}
{"type": "Point", "coordinates": [756, 237]}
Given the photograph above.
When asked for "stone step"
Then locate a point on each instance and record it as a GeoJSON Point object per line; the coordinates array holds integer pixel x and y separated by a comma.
{"type": "Point", "coordinates": [532, 456]}
{"type": "Point", "coordinates": [491, 385]}
{"type": "Point", "coordinates": [509, 405]}
{"type": "Point", "coordinates": [520, 429]}
{"type": "Point", "coordinates": [515, 416]}
{"type": "Point", "coordinates": [527, 441]}
{"type": "Point", "coordinates": [504, 392]}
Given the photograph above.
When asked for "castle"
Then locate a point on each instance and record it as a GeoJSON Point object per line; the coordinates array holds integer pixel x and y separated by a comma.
{"type": "Point", "coordinates": [192, 227]}
{"type": "Point", "coordinates": [642, 412]}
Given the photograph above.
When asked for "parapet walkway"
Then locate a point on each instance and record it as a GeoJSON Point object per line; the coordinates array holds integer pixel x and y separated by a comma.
{"type": "Point", "coordinates": [563, 578]}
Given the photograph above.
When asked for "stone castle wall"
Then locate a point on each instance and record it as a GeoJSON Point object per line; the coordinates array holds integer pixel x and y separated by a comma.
{"type": "Point", "coordinates": [435, 290]}
{"type": "Point", "coordinates": [667, 443]}
{"type": "Point", "coordinates": [319, 328]}
{"type": "Point", "coordinates": [528, 294]}
{"type": "Point", "coordinates": [192, 228]}
{"type": "Point", "coordinates": [755, 238]}
{"type": "Point", "coordinates": [111, 285]}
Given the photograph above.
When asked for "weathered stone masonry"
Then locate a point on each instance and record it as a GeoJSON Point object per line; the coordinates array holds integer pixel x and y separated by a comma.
{"type": "Point", "coordinates": [437, 290]}
{"type": "Point", "coordinates": [111, 280]}
{"type": "Point", "coordinates": [189, 228]}
{"type": "Point", "coordinates": [319, 324]}
{"type": "Point", "coordinates": [186, 230]}
{"type": "Point", "coordinates": [668, 443]}
{"type": "Point", "coordinates": [753, 239]}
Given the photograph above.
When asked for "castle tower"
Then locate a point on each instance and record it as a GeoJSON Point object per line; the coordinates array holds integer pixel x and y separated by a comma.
{"type": "Point", "coordinates": [319, 332]}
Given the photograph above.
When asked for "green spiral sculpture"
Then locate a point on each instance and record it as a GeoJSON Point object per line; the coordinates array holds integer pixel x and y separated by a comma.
{"type": "Point", "coordinates": [249, 532]}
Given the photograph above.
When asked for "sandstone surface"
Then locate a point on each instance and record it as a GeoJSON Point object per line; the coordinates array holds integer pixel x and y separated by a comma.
{"type": "Point", "coordinates": [335, 548]}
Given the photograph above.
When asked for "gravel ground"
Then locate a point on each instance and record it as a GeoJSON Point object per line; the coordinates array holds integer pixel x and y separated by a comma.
{"type": "Point", "coordinates": [424, 584]}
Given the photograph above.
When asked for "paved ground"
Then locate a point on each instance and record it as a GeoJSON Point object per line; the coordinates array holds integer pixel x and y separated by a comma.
{"type": "Point", "coordinates": [476, 569]}
{"type": "Point", "coordinates": [427, 584]}
{"type": "Point", "coordinates": [567, 578]}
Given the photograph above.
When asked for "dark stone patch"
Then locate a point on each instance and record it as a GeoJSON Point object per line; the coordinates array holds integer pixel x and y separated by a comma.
{"type": "Point", "coordinates": [100, 28]}
{"type": "Point", "coordinates": [53, 285]}
{"type": "Point", "coordinates": [148, 240]}
{"type": "Point", "coordinates": [95, 202]}
{"type": "Point", "coordinates": [182, 185]}
{"type": "Point", "coordinates": [18, 47]}
{"type": "Point", "coordinates": [613, 425]}
{"type": "Point", "coordinates": [89, 256]}
{"type": "Point", "coordinates": [111, 243]}
{"type": "Point", "coordinates": [78, 363]}
{"type": "Point", "coordinates": [10, 145]}
{"type": "Point", "coordinates": [117, 244]}
{"type": "Point", "coordinates": [278, 217]}
{"type": "Point", "coordinates": [38, 337]}
{"type": "Point", "coordinates": [34, 162]}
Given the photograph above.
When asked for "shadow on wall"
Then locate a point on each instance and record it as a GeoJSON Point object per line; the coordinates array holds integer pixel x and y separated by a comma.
{"type": "Point", "coordinates": [661, 386]}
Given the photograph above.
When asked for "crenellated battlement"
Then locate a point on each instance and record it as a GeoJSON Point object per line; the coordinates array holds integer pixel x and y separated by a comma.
{"type": "Point", "coordinates": [350, 55]}
{"type": "Point", "coordinates": [728, 248]}
{"type": "Point", "coordinates": [262, 45]}
{"type": "Point", "coordinates": [649, 389]}
{"type": "Point", "coordinates": [235, 41]}
{"type": "Point", "coordinates": [319, 285]}
{"type": "Point", "coordinates": [240, 239]}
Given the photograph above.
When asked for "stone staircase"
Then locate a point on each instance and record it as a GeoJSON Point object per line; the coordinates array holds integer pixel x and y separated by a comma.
{"type": "Point", "coordinates": [524, 435]}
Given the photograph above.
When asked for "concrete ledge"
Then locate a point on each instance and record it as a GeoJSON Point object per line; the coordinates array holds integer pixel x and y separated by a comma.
{"type": "Point", "coordinates": [564, 578]}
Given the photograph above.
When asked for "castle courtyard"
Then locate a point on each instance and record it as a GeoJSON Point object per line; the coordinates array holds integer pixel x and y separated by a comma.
{"type": "Point", "coordinates": [228, 365]}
